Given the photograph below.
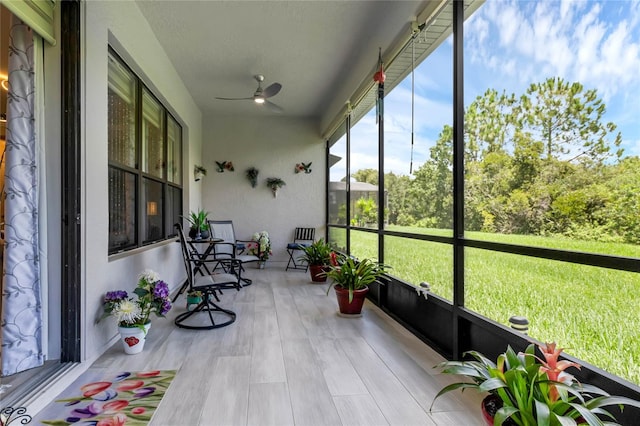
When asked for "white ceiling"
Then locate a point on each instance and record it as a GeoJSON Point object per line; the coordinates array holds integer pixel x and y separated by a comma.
{"type": "Point", "coordinates": [319, 50]}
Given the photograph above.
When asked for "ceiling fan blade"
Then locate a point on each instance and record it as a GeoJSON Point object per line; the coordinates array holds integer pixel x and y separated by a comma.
{"type": "Point", "coordinates": [272, 90]}
{"type": "Point", "coordinates": [273, 107]}
{"type": "Point", "coordinates": [235, 99]}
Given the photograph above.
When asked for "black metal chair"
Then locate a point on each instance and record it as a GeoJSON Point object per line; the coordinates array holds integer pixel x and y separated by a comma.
{"type": "Point", "coordinates": [230, 247]}
{"type": "Point", "coordinates": [302, 237]}
{"type": "Point", "coordinates": [209, 285]}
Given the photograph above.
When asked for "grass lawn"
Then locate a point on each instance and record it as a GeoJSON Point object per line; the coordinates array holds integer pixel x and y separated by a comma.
{"type": "Point", "coordinates": [589, 311]}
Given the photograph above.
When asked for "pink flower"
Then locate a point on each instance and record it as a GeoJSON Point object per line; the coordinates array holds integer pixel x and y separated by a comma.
{"type": "Point", "coordinates": [148, 373]}
{"type": "Point", "coordinates": [91, 389]}
{"type": "Point", "coordinates": [138, 410]}
{"type": "Point", "coordinates": [554, 368]}
{"type": "Point", "coordinates": [113, 406]}
{"type": "Point", "coordinates": [117, 420]}
{"type": "Point", "coordinates": [128, 385]}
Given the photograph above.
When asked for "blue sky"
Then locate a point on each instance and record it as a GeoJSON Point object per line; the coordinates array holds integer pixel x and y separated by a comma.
{"type": "Point", "coordinates": [508, 46]}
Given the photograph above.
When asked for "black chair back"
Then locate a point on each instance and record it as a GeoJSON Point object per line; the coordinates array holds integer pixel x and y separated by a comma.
{"type": "Point", "coordinates": [186, 255]}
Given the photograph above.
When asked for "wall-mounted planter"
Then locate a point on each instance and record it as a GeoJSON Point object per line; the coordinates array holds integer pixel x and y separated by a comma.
{"type": "Point", "coordinates": [275, 184]}
{"type": "Point", "coordinates": [199, 172]}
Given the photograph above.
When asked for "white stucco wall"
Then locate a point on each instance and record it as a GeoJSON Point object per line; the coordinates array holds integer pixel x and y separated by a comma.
{"type": "Point", "coordinates": [273, 145]}
{"type": "Point", "coordinates": [123, 26]}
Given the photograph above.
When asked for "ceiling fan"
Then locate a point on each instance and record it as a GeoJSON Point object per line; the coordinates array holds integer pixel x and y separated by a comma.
{"type": "Point", "coordinates": [261, 95]}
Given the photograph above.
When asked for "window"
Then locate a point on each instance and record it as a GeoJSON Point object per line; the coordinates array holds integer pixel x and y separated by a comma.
{"type": "Point", "coordinates": [546, 211]}
{"type": "Point", "coordinates": [338, 182]}
{"type": "Point", "coordinates": [363, 169]}
{"type": "Point", "coordinates": [145, 163]}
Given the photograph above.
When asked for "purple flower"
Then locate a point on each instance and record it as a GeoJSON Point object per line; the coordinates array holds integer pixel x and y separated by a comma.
{"type": "Point", "coordinates": [166, 306]}
{"type": "Point", "coordinates": [161, 290]}
{"type": "Point", "coordinates": [120, 377]}
{"type": "Point", "coordinates": [92, 410]}
{"type": "Point", "coordinates": [115, 296]}
{"type": "Point", "coordinates": [142, 392]}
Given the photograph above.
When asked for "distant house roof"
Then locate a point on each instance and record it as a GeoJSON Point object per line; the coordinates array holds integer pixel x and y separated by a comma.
{"type": "Point", "coordinates": [355, 186]}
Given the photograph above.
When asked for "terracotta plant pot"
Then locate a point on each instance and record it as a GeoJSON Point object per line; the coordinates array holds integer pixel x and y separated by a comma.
{"type": "Point", "coordinates": [317, 275]}
{"type": "Point", "coordinates": [490, 406]}
{"type": "Point", "coordinates": [353, 308]}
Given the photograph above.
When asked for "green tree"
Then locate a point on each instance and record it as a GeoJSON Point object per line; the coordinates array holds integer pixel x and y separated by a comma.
{"type": "Point", "coordinates": [421, 195]}
{"type": "Point", "coordinates": [624, 208]}
{"type": "Point", "coordinates": [531, 161]}
{"type": "Point", "coordinates": [431, 190]}
{"type": "Point", "coordinates": [366, 211]}
{"type": "Point", "coordinates": [397, 187]}
{"type": "Point", "coordinates": [366, 175]}
{"type": "Point", "coordinates": [567, 120]}
{"type": "Point", "coordinates": [488, 124]}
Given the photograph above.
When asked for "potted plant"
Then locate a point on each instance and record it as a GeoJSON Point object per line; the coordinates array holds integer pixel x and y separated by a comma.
{"type": "Point", "coordinates": [274, 184]}
{"type": "Point", "coordinates": [351, 280]}
{"type": "Point", "coordinates": [199, 172]}
{"type": "Point", "coordinates": [318, 257]}
{"type": "Point", "coordinates": [199, 226]}
{"type": "Point", "coordinates": [527, 390]}
{"type": "Point", "coordinates": [194, 297]}
{"type": "Point", "coordinates": [134, 315]}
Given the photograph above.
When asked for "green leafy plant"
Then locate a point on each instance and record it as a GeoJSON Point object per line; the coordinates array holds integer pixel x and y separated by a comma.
{"type": "Point", "coordinates": [198, 220]}
{"type": "Point", "coordinates": [351, 274]}
{"type": "Point", "coordinates": [317, 253]}
{"type": "Point", "coordinates": [531, 391]}
{"type": "Point", "coordinates": [194, 293]}
{"type": "Point", "coordinates": [252, 175]}
{"type": "Point", "coordinates": [275, 183]}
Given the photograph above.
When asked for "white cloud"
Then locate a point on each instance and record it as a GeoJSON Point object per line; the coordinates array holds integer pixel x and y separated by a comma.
{"type": "Point", "coordinates": [577, 40]}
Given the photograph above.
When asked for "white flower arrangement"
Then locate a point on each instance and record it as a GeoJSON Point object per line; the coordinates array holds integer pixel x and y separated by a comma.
{"type": "Point", "coordinates": [262, 247]}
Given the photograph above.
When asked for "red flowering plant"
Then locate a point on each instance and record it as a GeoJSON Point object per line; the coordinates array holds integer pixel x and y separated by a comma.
{"type": "Point", "coordinates": [530, 391]}
{"type": "Point", "coordinates": [152, 297]}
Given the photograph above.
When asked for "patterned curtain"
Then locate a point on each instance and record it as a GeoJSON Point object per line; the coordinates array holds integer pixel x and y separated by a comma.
{"type": "Point", "coordinates": [21, 298]}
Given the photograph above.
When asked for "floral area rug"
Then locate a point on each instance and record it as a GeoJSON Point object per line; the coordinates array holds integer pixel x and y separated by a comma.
{"type": "Point", "coordinates": [99, 398]}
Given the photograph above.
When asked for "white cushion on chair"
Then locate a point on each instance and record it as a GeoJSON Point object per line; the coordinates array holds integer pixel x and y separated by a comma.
{"type": "Point", "coordinates": [202, 281]}
{"type": "Point", "coordinates": [247, 258]}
